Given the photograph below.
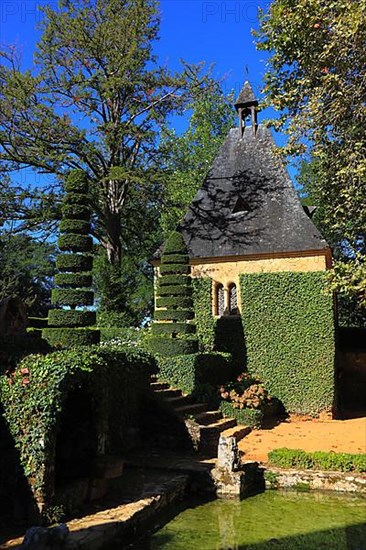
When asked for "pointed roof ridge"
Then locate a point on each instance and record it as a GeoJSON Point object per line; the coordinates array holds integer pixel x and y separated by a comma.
{"type": "Point", "coordinates": [246, 96]}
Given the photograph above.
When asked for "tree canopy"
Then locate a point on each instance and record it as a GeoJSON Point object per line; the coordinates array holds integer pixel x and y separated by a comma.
{"type": "Point", "coordinates": [316, 77]}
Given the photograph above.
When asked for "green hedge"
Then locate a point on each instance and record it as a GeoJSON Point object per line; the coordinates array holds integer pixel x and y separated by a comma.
{"type": "Point", "coordinates": [172, 328]}
{"type": "Point", "coordinates": [174, 302]}
{"type": "Point", "coordinates": [205, 322]}
{"type": "Point", "coordinates": [37, 322]}
{"type": "Point", "coordinates": [126, 335]}
{"type": "Point", "coordinates": [174, 244]}
{"type": "Point", "coordinates": [76, 182]}
{"type": "Point", "coordinates": [75, 243]}
{"type": "Point", "coordinates": [75, 198]}
{"type": "Point", "coordinates": [190, 372]}
{"type": "Point", "coordinates": [174, 291]}
{"type": "Point", "coordinates": [33, 399]}
{"type": "Point", "coordinates": [76, 212]}
{"type": "Point", "coordinates": [246, 416]}
{"type": "Point", "coordinates": [319, 460]}
{"type": "Point", "coordinates": [289, 336]}
{"type": "Point", "coordinates": [172, 346]}
{"type": "Point", "coordinates": [174, 280]}
{"type": "Point", "coordinates": [75, 280]}
{"type": "Point", "coordinates": [71, 318]}
{"type": "Point", "coordinates": [174, 315]}
{"type": "Point", "coordinates": [175, 259]}
{"type": "Point", "coordinates": [74, 262]}
{"type": "Point", "coordinates": [174, 269]}
{"type": "Point", "coordinates": [65, 337]}
{"type": "Point", "coordinates": [72, 297]}
{"type": "Point", "coordinates": [74, 226]}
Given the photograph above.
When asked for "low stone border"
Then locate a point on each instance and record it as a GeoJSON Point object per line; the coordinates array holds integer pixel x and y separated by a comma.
{"type": "Point", "coordinates": [278, 478]}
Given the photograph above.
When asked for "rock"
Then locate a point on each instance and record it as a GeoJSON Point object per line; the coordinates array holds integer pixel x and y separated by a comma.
{"type": "Point", "coordinates": [43, 538]}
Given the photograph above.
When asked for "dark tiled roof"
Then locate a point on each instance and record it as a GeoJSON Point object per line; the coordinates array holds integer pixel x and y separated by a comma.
{"type": "Point", "coordinates": [246, 95]}
{"type": "Point", "coordinates": [247, 204]}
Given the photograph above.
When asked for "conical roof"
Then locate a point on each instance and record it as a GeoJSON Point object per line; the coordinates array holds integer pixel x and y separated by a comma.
{"type": "Point", "coordinates": [247, 204]}
{"type": "Point", "coordinates": [246, 96]}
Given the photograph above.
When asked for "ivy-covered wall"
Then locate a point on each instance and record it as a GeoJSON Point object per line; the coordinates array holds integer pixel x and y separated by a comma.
{"type": "Point", "coordinates": [288, 323]}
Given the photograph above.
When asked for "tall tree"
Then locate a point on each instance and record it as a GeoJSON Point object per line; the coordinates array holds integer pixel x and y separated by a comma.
{"type": "Point", "coordinates": [316, 77]}
{"type": "Point", "coordinates": [95, 101]}
{"type": "Point", "coordinates": [188, 157]}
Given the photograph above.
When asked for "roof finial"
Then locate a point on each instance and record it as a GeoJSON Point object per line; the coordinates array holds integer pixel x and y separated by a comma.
{"type": "Point", "coordinates": [246, 104]}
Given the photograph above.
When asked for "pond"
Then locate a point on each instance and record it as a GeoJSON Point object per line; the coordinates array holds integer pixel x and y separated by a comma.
{"type": "Point", "coordinates": [285, 520]}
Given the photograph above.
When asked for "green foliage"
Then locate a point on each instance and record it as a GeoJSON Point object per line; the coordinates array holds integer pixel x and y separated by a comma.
{"type": "Point", "coordinates": [205, 322]}
{"type": "Point", "coordinates": [173, 329]}
{"type": "Point", "coordinates": [73, 242]}
{"type": "Point", "coordinates": [121, 336]}
{"type": "Point", "coordinates": [34, 395]}
{"type": "Point", "coordinates": [37, 322]}
{"type": "Point", "coordinates": [167, 345]}
{"type": "Point", "coordinates": [189, 156]}
{"type": "Point", "coordinates": [71, 318]}
{"type": "Point", "coordinates": [319, 460]}
{"type": "Point", "coordinates": [77, 182]}
{"type": "Point", "coordinates": [74, 262]}
{"type": "Point", "coordinates": [174, 259]}
{"type": "Point", "coordinates": [72, 297]}
{"type": "Point", "coordinates": [75, 280]}
{"type": "Point", "coordinates": [173, 315]}
{"type": "Point", "coordinates": [189, 372]}
{"type": "Point", "coordinates": [317, 59]}
{"type": "Point", "coordinates": [289, 337]}
{"type": "Point", "coordinates": [168, 280]}
{"type": "Point", "coordinates": [174, 244]}
{"type": "Point", "coordinates": [174, 301]}
{"type": "Point", "coordinates": [248, 417]}
{"type": "Point", "coordinates": [177, 291]}
{"type": "Point", "coordinates": [74, 226]}
{"type": "Point", "coordinates": [70, 337]}
{"type": "Point", "coordinates": [26, 269]}
{"type": "Point", "coordinates": [76, 212]}
{"type": "Point", "coordinates": [174, 269]}
{"type": "Point", "coordinates": [75, 198]}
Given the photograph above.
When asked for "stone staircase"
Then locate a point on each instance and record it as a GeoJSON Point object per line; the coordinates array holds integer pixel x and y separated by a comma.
{"type": "Point", "coordinates": [204, 426]}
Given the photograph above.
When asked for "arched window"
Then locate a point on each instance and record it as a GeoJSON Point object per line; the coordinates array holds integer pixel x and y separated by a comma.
{"type": "Point", "coordinates": [233, 300]}
{"type": "Point", "coordinates": [219, 300]}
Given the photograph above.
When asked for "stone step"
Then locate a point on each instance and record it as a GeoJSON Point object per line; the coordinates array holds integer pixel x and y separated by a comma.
{"type": "Point", "coordinates": [210, 435]}
{"type": "Point", "coordinates": [208, 417]}
{"type": "Point", "coordinates": [193, 409]}
{"type": "Point", "coordinates": [219, 426]}
{"type": "Point", "coordinates": [179, 401]}
{"type": "Point", "coordinates": [159, 386]}
{"type": "Point", "coordinates": [168, 392]}
{"type": "Point", "coordinates": [239, 432]}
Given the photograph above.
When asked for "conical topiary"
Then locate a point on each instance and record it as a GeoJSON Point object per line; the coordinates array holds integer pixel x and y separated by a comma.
{"type": "Point", "coordinates": [70, 327]}
{"type": "Point", "coordinates": [173, 329]}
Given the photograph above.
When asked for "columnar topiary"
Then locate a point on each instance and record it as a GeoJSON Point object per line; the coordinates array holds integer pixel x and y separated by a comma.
{"type": "Point", "coordinates": [173, 330]}
{"type": "Point", "coordinates": [70, 327]}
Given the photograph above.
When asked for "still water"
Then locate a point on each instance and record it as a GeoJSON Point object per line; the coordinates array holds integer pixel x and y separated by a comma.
{"type": "Point", "coordinates": [274, 519]}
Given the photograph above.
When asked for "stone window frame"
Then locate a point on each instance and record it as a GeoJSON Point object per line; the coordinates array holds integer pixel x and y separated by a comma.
{"type": "Point", "coordinates": [226, 309]}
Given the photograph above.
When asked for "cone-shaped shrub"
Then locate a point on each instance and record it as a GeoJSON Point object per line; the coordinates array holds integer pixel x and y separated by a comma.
{"type": "Point", "coordinates": [71, 327]}
{"type": "Point", "coordinates": [173, 330]}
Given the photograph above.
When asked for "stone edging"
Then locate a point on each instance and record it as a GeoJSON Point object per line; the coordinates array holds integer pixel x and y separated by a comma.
{"type": "Point", "coordinates": [279, 478]}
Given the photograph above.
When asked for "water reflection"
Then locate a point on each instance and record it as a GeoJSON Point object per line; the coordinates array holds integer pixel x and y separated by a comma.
{"type": "Point", "coordinates": [278, 520]}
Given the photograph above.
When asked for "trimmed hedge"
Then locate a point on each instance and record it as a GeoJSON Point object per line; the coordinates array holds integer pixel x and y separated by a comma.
{"type": "Point", "coordinates": [172, 328]}
{"type": "Point", "coordinates": [174, 301]}
{"type": "Point", "coordinates": [175, 280]}
{"type": "Point", "coordinates": [248, 417]}
{"type": "Point", "coordinates": [174, 315]}
{"type": "Point", "coordinates": [74, 262]}
{"type": "Point", "coordinates": [69, 337]}
{"type": "Point", "coordinates": [72, 297]}
{"type": "Point", "coordinates": [183, 290]}
{"type": "Point", "coordinates": [75, 280]}
{"type": "Point", "coordinates": [172, 346]}
{"type": "Point", "coordinates": [74, 226]}
{"type": "Point", "coordinates": [174, 269]}
{"type": "Point", "coordinates": [205, 322]}
{"type": "Point", "coordinates": [71, 318]}
{"type": "Point", "coordinates": [76, 182]}
{"type": "Point", "coordinates": [75, 243]}
{"type": "Point", "coordinates": [75, 198]}
{"type": "Point", "coordinates": [174, 244]}
{"type": "Point", "coordinates": [190, 372]}
{"type": "Point", "coordinates": [76, 212]}
{"type": "Point", "coordinates": [174, 259]}
{"type": "Point", "coordinates": [319, 460]}
{"type": "Point", "coordinates": [289, 336]}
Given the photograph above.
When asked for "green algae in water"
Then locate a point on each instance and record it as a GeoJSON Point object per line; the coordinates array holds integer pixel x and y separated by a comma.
{"type": "Point", "coordinates": [274, 519]}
